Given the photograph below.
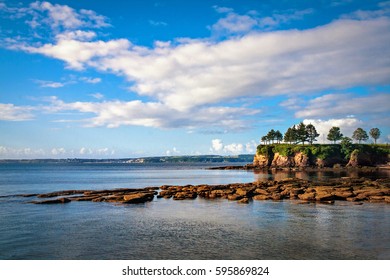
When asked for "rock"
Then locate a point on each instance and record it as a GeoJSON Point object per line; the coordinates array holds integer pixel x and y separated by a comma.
{"type": "Point", "coordinates": [301, 160]}
{"type": "Point", "coordinates": [276, 196]}
{"type": "Point", "coordinates": [261, 197]}
{"type": "Point", "coordinates": [261, 161]}
{"type": "Point", "coordinates": [138, 197]}
{"type": "Point", "coordinates": [342, 195]}
{"type": "Point", "coordinates": [261, 191]}
{"type": "Point", "coordinates": [53, 201]}
{"type": "Point", "coordinates": [60, 193]}
{"type": "Point", "coordinates": [234, 197]}
{"type": "Point", "coordinates": [184, 195]}
{"type": "Point", "coordinates": [282, 161]}
{"type": "Point", "coordinates": [307, 196]}
{"type": "Point", "coordinates": [242, 192]}
{"type": "Point", "coordinates": [325, 197]}
{"type": "Point", "coordinates": [244, 200]}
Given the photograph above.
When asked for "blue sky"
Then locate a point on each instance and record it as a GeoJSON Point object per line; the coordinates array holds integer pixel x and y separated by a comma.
{"type": "Point", "coordinates": [114, 79]}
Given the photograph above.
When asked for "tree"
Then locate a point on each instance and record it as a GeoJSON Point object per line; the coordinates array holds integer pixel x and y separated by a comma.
{"type": "Point", "coordinates": [312, 133]}
{"type": "Point", "coordinates": [302, 134]}
{"type": "Point", "coordinates": [264, 139]}
{"type": "Point", "coordinates": [290, 135]}
{"type": "Point", "coordinates": [375, 133]}
{"type": "Point", "coordinates": [346, 146]}
{"type": "Point", "coordinates": [360, 135]}
{"type": "Point", "coordinates": [334, 134]}
{"type": "Point", "coordinates": [271, 135]}
{"type": "Point", "coordinates": [278, 136]}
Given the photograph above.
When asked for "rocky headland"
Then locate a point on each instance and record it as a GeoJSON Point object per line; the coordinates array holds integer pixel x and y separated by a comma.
{"type": "Point", "coordinates": [355, 190]}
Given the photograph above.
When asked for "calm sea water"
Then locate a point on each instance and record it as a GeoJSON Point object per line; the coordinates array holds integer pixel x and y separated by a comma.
{"type": "Point", "coordinates": [167, 229]}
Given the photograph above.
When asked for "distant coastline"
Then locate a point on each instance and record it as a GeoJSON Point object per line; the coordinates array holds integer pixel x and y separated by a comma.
{"type": "Point", "coordinates": [243, 158]}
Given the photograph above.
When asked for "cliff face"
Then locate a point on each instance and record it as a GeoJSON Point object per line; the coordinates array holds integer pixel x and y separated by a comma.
{"type": "Point", "coordinates": [318, 156]}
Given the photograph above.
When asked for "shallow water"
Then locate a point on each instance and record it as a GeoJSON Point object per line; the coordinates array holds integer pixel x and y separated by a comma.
{"type": "Point", "coordinates": [167, 229]}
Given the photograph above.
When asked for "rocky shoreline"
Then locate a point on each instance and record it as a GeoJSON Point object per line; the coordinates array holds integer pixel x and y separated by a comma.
{"type": "Point", "coordinates": [337, 167]}
{"type": "Point", "coordinates": [356, 190]}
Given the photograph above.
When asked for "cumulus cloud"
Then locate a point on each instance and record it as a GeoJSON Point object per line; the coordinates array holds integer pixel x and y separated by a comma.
{"type": "Point", "coordinates": [347, 126]}
{"type": "Point", "coordinates": [57, 17]}
{"type": "Point", "coordinates": [58, 151]}
{"type": "Point", "coordinates": [342, 54]}
{"type": "Point", "coordinates": [345, 104]}
{"type": "Point", "coordinates": [10, 112]}
{"type": "Point", "coordinates": [217, 146]}
{"type": "Point", "coordinates": [185, 81]}
{"type": "Point", "coordinates": [20, 153]}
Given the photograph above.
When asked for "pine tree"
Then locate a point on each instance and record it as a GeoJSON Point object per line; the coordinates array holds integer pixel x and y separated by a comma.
{"type": "Point", "coordinates": [334, 134]}
{"type": "Point", "coordinates": [360, 135]}
{"type": "Point", "coordinates": [302, 134]}
{"type": "Point", "coordinates": [375, 133]}
{"type": "Point", "coordinates": [312, 133]}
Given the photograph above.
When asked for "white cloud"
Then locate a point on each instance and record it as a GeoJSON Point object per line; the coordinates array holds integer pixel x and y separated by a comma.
{"type": "Point", "coordinates": [216, 145]}
{"type": "Point", "coordinates": [172, 152]}
{"type": "Point", "coordinates": [347, 126]}
{"type": "Point", "coordinates": [58, 151]}
{"type": "Point", "coordinates": [27, 153]}
{"type": "Point", "coordinates": [234, 23]}
{"type": "Point", "coordinates": [62, 17]}
{"type": "Point", "coordinates": [97, 95]}
{"type": "Point", "coordinates": [91, 80]}
{"type": "Point", "coordinates": [222, 10]}
{"type": "Point", "coordinates": [234, 148]}
{"type": "Point", "coordinates": [342, 54]}
{"type": "Point", "coordinates": [85, 151]}
{"type": "Point", "coordinates": [10, 112]}
{"type": "Point", "coordinates": [345, 104]}
{"type": "Point", "coordinates": [152, 114]}
{"type": "Point", "coordinates": [280, 18]}
{"type": "Point", "coordinates": [77, 53]}
{"type": "Point", "coordinates": [76, 35]}
{"type": "Point", "coordinates": [49, 84]}
{"type": "Point", "coordinates": [20, 153]}
{"type": "Point", "coordinates": [251, 146]}
{"type": "Point", "coordinates": [187, 80]}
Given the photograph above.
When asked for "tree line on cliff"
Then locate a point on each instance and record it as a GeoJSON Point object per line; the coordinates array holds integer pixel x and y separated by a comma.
{"type": "Point", "coordinates": [302, 133]}
{"type": "Point", "coordinates": [343, 152]}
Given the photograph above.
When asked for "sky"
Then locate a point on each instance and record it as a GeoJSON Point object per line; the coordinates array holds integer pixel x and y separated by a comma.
{"type": "Point", "coordinates": [122, 79]}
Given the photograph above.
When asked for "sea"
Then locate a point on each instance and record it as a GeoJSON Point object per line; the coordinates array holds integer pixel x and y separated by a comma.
{"type": "Point", "coordinates": [164, 229]}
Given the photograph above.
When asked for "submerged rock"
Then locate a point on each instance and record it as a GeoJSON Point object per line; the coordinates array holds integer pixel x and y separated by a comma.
{"type": "Point", "coordinates": [53, 201]}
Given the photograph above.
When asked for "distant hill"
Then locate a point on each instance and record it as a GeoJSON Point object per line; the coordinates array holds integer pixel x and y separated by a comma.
{"type": "Point", "coordinates": [247, 158]}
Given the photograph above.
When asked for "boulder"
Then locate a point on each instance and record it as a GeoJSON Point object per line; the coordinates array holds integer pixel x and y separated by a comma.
{"type": "Point", "coordinates": [244, 200]}
{"type": "Point", "coordinates": [234, 197]}
{"type": "Point", "coordinates": [185, 195]}
{"type": "Point", "coordinates": [307, 196]}
{"type": "Point", "coordinates": [138, 197]}
{"type": "Point", "coordinates": [261, 197]}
